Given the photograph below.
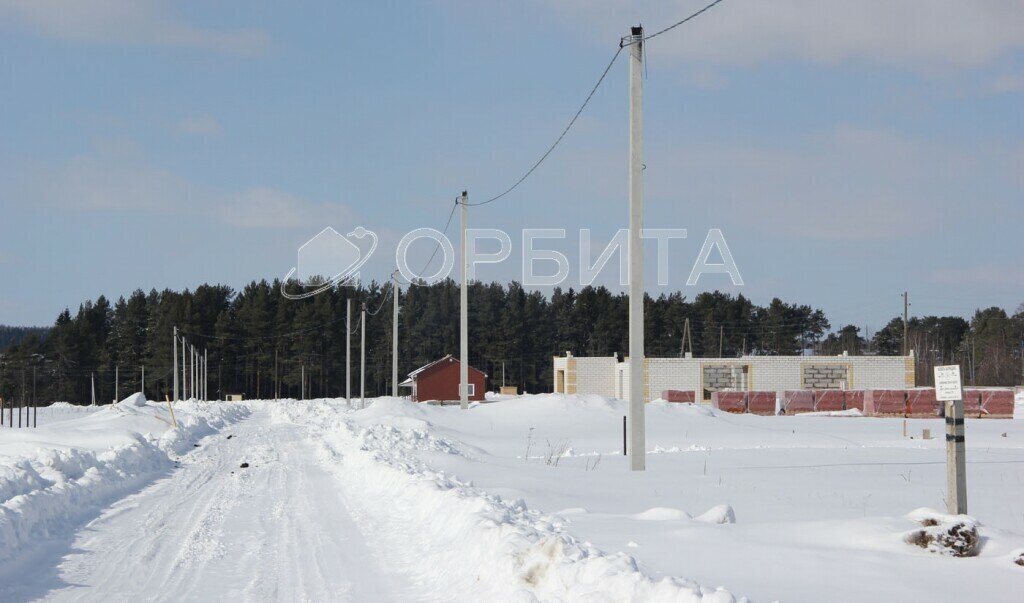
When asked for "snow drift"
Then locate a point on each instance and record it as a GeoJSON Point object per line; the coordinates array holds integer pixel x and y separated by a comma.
{"type": "Point", "coordinates": [53, 477]}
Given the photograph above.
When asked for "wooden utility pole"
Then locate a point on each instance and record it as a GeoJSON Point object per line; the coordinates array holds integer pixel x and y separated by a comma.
{"type": "Point", "coordinates": [464, 310]}
{"type": "Point", "coordinates": [637, 422]}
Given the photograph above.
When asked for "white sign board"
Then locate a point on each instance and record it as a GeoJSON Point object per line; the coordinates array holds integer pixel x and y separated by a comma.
{"type": "Point", "coordinates": [947, 383]}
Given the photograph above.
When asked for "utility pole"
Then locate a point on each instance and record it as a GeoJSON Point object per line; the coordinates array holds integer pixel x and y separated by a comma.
{"type": "Point", "coordinates": [905, 306]}
{"type": "Point", "coordinates": [35, 402]}
{"type": "Point", "coordinates": [394, 335]}
{"type": "Point", "coordinates": [117, 382]}
{"type": "Point", "coordinates": [277, 384]}
{"type": "Point", "coordinates": [184, 381]}
{"type": "Point", "coordinates": [348, 352]}
{"type": "Point", "coordinates": [362, 359]}
{"type": "Point", "coordinates": [175, 354]}
{"type": "Point", "coordinates": [92, 383]}
{"type": "Point", "coordinates": [143, 382]}
{"type": "Point", "coordinates": [206, 374]}
{"type": "Point", "coordinates": [686, 339]}
{"type": "Point", "coordinates": [721, 337]}
{"type": "Point", "coordinates": [302, 383]}
{"type": "Point", "coordinates": [637, 422]}
{"type": "Point", "coordinates": [464, 310]}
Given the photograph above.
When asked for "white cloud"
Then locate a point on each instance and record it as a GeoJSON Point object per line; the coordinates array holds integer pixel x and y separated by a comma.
{"type": "Point", "coordinates": [200, 125]}
{"type": "Point", "coordinates": [105, 181]}
{"type": "Point", "coordinates": [134, 22]}
{"type": "Point", "coordinates": [926, 34]}
{"type": "Point", "coordinates": [852, 183]}
{"type": "Point", "coordinates": [998, 277]}
{"type": "Point", "coordinates": [95, 182]}
{"type": "Point", "coordinates": [271, 208]}
{"type": "Point", "coordinates": [1007, 83]}
{"type": "Point", "coordinates": [847, 184]}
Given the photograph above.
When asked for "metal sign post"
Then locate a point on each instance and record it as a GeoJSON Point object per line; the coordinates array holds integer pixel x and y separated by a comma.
{"type": "Point", "coordinates": [948, 390]}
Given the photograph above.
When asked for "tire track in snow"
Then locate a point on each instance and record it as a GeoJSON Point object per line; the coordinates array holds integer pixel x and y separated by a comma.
{"type": "Point", "coordinates": [278, 530]}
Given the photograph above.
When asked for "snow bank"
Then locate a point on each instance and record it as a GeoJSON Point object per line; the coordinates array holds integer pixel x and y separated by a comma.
{"type": "Point", "coordinates": [451, 535]}
{"type": "Point", "coordinates": [954, 535]}
{"type": "Point", "coordinates": [136, 399]}
{"type": "Point", "coordinates": [53, 477]}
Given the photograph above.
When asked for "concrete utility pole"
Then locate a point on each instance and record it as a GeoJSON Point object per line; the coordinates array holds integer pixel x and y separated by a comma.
{"type": "Point", "coordinates": [302, 383]}
{"type": "Point", "coordinates": [143, 383]}
{"type": "Point", "coordinates": [949, 389]}
{"type": "Point", "coordinates": [956, 459]}
{"type": "Point", "coordinates": [348, 352]}
{"type": "Point", "coordinates": [206, 374]}
{"type": "Point", "coordinates": [362, 359]}
{"type": "Point", "coordinates": [92, 383]}
{"type": "Point", "coordinates": [637, 443]}
{"type": "Point", "coordinates": [394, 335]}
{"type": "Point", "coordinates": [117, 381]}
{"type": "Point", "coordinates": [184, 381]}
{"type": "Point", "coordinates": [905, 306]}
{"type": "Point", "coordinates": [464, 311]}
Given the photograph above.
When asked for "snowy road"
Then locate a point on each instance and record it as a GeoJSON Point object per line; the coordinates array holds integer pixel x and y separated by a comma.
{"type": "Point", "coordinates": [277, 530]}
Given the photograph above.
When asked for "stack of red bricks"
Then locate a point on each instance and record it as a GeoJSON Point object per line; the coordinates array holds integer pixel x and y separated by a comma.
{"type": "Point", "coordinates": [914, 403]}
{"type": "Point", "coordinates": [678, 395]}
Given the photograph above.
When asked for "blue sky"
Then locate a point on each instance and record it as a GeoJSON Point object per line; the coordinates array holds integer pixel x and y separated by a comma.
{"type": "Point", "coordinates": [848, 151]}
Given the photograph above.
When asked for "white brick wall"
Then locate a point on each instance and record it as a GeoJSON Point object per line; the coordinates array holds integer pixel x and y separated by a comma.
{"type": "Point", "coordinates": [606, 377]}
{"type": "Point", "coordinates": [596, 376]}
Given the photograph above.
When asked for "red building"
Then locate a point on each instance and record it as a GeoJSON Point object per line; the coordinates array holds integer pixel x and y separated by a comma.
{"type": "Point", "coordinates": [439, 380]}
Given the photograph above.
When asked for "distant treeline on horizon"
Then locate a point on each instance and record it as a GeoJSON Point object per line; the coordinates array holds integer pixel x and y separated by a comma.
{"type": "Point", "coordinates": [260, 344]}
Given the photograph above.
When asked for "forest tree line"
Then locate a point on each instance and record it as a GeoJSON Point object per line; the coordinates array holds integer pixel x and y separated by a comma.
{"type": "Point", "coordinates": [260, 344]}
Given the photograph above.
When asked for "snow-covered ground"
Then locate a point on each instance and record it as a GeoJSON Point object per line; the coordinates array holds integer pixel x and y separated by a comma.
{"type": "Point", "coordinates": [523, 499]}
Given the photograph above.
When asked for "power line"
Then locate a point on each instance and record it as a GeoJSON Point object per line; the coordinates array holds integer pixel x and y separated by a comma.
{"type": "Point", "coordinates": [560, 136]}
{"type": "Point", "coordinates": [444, 232]}
{"type": "Point", "coordinates": [678, 23]}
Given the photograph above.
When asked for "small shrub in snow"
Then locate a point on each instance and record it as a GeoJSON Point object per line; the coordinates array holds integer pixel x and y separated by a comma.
{"type": "Point", "coordinates": [953, 535]}
{"type": "Point", "coordinates": [556, 452]}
